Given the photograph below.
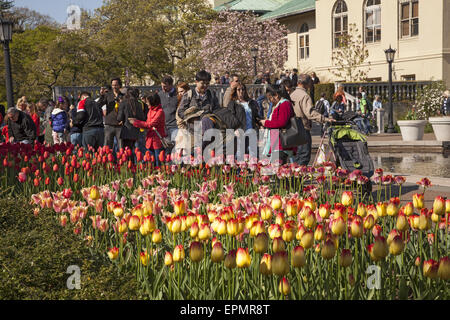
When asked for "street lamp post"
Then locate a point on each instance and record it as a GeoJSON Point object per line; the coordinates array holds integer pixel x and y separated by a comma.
{"type": "Point", "coordinates": [390, 55]}
{"type": "Point", "coordinates": [6, 38]}
{"type": "Point", "coordinates": [254, 52]}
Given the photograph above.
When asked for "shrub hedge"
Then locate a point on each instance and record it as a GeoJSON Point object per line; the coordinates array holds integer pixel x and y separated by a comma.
{"type": "Point", "coordinates": [35, 253]}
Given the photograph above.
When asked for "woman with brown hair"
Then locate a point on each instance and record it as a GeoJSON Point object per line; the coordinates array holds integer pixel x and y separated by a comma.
{"type": "Point", "coordinates": [130, 108]}
{"type": "Point", "coordinates": [340, 92]}
{"type": "Point", "coordinates": [246, 111]}
{"type": "Point", "coordinates": [182, 89]}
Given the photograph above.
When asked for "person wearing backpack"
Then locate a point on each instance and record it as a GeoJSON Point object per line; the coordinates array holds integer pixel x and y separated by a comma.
{"type": "Point", "coordinates": [362, 109]}
{"type": "Point", "coordinates": [323, 107]}
{"type": "Point", "coordinates": [130, 108]}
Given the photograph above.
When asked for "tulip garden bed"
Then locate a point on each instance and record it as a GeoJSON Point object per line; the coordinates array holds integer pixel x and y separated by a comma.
{"type": "Point", "coordinates": [231, 232]}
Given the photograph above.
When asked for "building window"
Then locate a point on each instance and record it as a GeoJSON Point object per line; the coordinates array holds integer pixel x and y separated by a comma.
{"type": "Point", "coordinates": [373, 21]}
{"type": "Point", "coordinates": [409, 18]}
{"type": "Point", "coordinates": [303, 40]}
{"type": "Point", "coordinates": [409, 77]}
{"type": "Point", "coordinates": [340, 22]}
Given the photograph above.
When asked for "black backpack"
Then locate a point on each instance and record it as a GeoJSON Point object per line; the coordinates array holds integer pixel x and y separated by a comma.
{"type": "Point", "coordinates": [369, 105]}
{"type": "Point", "coordinates": [320, 106]}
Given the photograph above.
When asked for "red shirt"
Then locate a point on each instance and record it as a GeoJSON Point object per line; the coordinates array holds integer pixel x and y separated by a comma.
{"type": "Point", "coordinates": [36, 121]}
{"type": "Point", "coordinates": [156, 119]}
{"type": "Point", "coordinates": [279, 119]}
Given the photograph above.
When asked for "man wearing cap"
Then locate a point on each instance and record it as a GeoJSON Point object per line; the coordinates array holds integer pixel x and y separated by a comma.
{"type": "Point", "coordinates": [21, 127]}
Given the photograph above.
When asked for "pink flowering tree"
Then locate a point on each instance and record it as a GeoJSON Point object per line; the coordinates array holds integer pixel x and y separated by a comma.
{"type": "Point", "coordinates": [228, 41]}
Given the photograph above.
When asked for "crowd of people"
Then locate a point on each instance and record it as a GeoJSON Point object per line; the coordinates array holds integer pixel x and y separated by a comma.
{"type": "Point", "coordinates": [124, 118]}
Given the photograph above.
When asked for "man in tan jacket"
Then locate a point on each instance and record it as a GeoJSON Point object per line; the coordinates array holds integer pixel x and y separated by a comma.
{"type": "Point", "coordinates": [304, 109]}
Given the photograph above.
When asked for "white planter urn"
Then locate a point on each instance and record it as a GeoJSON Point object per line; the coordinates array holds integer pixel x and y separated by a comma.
{"type": "Point", "coordinates": [441, 127]}
{"type": "Point", "coordinates": [412, 130]}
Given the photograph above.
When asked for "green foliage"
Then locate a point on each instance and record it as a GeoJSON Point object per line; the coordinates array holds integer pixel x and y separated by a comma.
{"type": "Point", "coordinates": [35, 255]}
{"type": "Point", "coordinates": [327, 88]}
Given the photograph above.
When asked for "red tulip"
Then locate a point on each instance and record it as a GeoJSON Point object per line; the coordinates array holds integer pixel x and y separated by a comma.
{"type": "Point", "coordinates": [22, 177]}
{"type": "Point", "coordinates": [60, 181]}
{"type": "Point", "coordinates": [47, 181]}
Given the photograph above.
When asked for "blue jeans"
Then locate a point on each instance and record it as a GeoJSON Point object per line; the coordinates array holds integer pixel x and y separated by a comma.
{"type": "Point", "coordinates": [140, 143]}
{"type": "Point", "coordinates": [156, 153]}
{"type": "Point", "coordinates": [363, 124]}
{"type": "Point", "coordinates": [76, 139]}
{"type": "Point", "coordinates": [94, 137]}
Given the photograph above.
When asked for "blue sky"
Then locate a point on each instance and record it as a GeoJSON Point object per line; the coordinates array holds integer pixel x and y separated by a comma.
{"type": "Point", "coordinates": [57, 8]}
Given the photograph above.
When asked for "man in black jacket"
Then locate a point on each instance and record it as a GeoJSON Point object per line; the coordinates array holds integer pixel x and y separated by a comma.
{"type": "Point", "coordinates": [89, 117]}
{"type": "Point", "coordinates": [169, 104]}
{"type": "Point", "coordinates": [21, 127]}
{"type": "Point", "coordinates": [112, 100]}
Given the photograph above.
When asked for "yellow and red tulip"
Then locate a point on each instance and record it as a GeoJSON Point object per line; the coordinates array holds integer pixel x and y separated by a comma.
{"type": "Point", "coordinates": [276, 202]}
{"type": "Point", "coordinates": [444, 269]}
{"type": "Point", "coordinates": [284, 287]}
{"type": "Point", "coordinates": [298, 259]}
{"type": "Point", "coordinates": [134, 223]}
{"type": "Point", "coordinates": [266, 212]}
{"type": "Point", "coordinates": [347, 198]}
{"type": "Point", "coordinates": [230, 260]}
{"type": "Point", "coordinates": [396, 246]}
{"type": "Point", "coordinates": [278, 245]}
{"type": "Point", "coordinates": [144, 258]}
{"type": "Point", "coordinates": [179, 207]}
{"type": "Point", "coordinates": [439, 206]}
{"type": "Point", "coordinates": [265, 266]}
{"type": "Point", "coordinates": [178, 253]}
{"type": "Point", "coordinates": [362, 210]}
{"type": "Point", "coordinates": [196, 251]}
{"type": "Point", "coordinates": [418, 200]}
{"type": "Point", "coordinates": [356, 228]}
{"type": "Point", "coordinates": [243, 258]}
{"type": "Point", "coordinates": [402, 223]}
{"type": "Point", "coordinates": [261, 243]}
{"type": "Point", "coordinates": [280, 263]}
{"type": "Point", "coordinates": [156, 236]}
{"type": "Point", "coordinates": [328, 250]}
{"type": "Point", "coordinates": [307, 239]}
{"type": "Point", "coordinates": [113, 253]}
{"type": "Point", "coordinates": [345, 258]}
{"type": "Point", "coordinates": [338, 226]}
{"type": "Point", "coordinates": [324, 211]}
{"type": "Point", "coordinates": [168, 259]}
{"type": "Point", "coordinates": [292, 208]}
{"type": "Point", "coordinates": [381, 209]}
{"type": "Point", "coordinates": [319, 234]}
{"type": "Point", "coordinates": [204, 232]}
{"type": "Point", "coordinates": [380, 247]}
{"type": "Point", "coordinates": [430, 269]}
{"type": "Point", "coordinates": [217, 253]}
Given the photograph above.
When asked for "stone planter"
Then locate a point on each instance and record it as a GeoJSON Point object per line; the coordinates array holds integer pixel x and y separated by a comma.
{"type": "Point", "coordinates": [412, 130]}
{"type": "Point", "coordinates": [441, 127]}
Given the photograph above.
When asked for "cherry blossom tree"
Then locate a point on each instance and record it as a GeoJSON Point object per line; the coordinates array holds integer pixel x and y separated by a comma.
{"type": "Point", "coordinates": [228, 41]}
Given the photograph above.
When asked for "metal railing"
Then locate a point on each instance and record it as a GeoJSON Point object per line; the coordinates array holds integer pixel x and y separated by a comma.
{"type": "Point", "coordinates": [254, 91]}
{"type": "Point", "coordinates": [405, 90]}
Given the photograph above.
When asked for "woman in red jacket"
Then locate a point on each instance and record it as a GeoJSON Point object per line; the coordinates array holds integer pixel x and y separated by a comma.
{"type": "Point", "coordinates": [155, 121]}
{"type": "Point", "coordinates": [32, 111]}
{"type": "Point", "coordinates": [279, 118]}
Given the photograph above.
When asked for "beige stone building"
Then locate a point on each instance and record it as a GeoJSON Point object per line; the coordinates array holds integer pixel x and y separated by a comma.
{"type": "Point", "coordinates": [418, 29]}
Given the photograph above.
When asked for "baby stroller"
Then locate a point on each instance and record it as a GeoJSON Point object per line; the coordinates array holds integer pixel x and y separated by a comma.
{"type": "Point", "coordinates": [349, 147]}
